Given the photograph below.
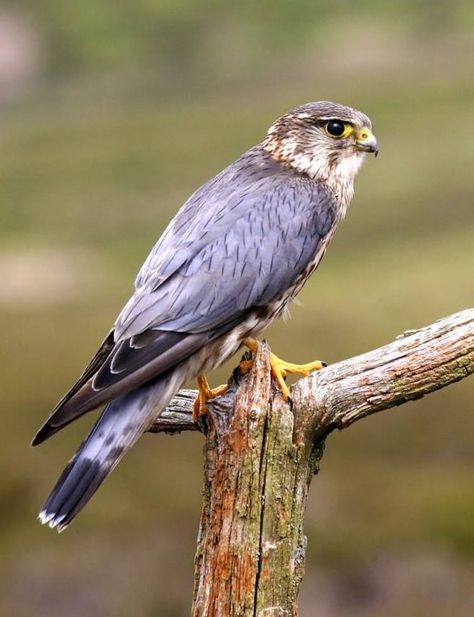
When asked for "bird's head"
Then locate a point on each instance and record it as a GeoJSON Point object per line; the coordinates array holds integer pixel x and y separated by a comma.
{"type": "Point", "coordinates": [324, 140]}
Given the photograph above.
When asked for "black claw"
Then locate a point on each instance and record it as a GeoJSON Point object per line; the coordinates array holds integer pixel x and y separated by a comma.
{"type": "Point", "coordinates": [246, 356]}
{"type": "Point", "coordinates": [236, 375]}
{"type": "Point", "coordinates": [324, 364]}
{"type": "Point", "coordinates": [202, 423]}
{"type": "Point", "coordinates": [290, 403]}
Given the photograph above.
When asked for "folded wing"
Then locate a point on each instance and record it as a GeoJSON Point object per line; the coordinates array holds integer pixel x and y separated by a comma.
{"type": "Point", "coordinates": [225, 255]}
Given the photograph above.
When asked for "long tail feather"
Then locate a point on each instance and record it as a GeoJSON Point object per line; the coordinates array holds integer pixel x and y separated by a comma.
{"type": "Point", "coordinates": [121, 424]}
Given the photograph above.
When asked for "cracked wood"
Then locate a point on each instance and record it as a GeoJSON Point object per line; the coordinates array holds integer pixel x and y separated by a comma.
{"type": "Point", "coordinates": [261, 454]}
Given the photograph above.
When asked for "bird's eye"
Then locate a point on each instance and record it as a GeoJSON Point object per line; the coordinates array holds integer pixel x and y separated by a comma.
{"type": "Point", "coordinates": [335, 128]}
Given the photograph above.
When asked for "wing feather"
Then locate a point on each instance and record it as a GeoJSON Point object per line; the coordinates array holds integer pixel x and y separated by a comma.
{"type": "Point", "coordinates": [238, 244]}
{"type": "Point", "coordinates": [252, 263]}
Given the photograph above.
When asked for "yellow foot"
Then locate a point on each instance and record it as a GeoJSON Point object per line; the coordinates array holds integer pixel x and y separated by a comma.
{"type": "Point", "coordinates": [280, 368]}
{"type": "Point", "coordinates": [205, 393]}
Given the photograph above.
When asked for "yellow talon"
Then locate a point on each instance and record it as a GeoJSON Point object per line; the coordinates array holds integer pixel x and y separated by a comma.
{"type": "Point", "coordinates": [205, 393]}
{"type": "Point", "coordinates": [281, 368]}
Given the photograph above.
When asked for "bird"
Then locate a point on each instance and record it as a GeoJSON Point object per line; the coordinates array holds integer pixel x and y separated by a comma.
{"type": "Point", "coordinates": [229, 263]}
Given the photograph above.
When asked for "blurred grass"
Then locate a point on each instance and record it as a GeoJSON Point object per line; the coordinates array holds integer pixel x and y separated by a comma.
{"type": "Point", "coordinates": [94, 168]}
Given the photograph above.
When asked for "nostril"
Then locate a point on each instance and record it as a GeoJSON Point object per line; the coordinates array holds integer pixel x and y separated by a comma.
{"type": "Point", "coordinates": [364, 135]}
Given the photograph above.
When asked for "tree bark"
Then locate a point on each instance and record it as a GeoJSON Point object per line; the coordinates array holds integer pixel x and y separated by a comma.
{"type": "Point", "coordinates": [261, 453]}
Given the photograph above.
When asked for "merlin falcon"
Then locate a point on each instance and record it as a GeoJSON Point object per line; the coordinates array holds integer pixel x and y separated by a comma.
{"type": "Point", "coordinates": [228, 264]}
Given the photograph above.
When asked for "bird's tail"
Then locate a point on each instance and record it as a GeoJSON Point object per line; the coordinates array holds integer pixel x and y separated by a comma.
{"type": "Point", "coordinates": [122, 422]}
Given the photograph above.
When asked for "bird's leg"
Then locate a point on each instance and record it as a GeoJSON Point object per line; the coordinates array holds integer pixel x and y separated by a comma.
{"type": "Point", "coordinates": [281, 368]}
{"type": "Point", "coordinates": [205, 393]}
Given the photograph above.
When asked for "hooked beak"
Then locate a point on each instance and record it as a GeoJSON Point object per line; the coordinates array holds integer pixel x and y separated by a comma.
{"type": "Point", "coordinates": [365, 140]}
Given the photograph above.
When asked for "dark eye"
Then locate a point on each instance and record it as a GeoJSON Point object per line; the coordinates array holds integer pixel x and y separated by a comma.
{"type": "Point", "coordinates": [335, 128]}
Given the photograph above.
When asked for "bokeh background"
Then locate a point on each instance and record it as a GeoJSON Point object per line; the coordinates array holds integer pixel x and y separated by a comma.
{"type": "Point", "coordinates": [111, 114]}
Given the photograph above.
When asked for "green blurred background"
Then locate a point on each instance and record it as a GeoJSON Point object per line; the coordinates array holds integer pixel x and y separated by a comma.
{"type": "Point", "coordinates": [111, 114]}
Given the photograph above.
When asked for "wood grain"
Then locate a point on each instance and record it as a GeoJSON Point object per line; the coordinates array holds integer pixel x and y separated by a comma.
{"type": "Point", "coordinates": [261, 453]}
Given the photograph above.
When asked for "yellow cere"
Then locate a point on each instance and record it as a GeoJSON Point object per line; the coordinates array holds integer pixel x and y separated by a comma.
{"type": "Point", "coordinates": [364, 134]}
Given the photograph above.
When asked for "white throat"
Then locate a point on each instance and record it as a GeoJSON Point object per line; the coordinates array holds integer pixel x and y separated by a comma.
{"type": "Point", "coordinates": [337, 172]}
{"type": "Point", "coordinates": [339, 175]}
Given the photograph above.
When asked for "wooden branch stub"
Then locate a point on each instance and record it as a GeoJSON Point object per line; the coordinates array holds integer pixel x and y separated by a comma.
{"type": "Point", "coordinates": [178, 416]}
{"type": "Point", "coordinates": [251, 547]}
{"type": "Point", "coordinates": [415, 364]}
{"type": "Point", "coordinates": [260, 456]}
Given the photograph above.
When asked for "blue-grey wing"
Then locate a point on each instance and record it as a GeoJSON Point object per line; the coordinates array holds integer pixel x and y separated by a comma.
{"type": "Point", "coordinates": [206, 216]}
{"type": "Point", "coordinates": [240, 243]}
{"type": "Point", "coordinates": [267, 236]}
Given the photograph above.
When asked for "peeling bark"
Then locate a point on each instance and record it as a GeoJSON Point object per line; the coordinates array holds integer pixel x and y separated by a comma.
{"type": "Point", "coordinates": [261, 453]}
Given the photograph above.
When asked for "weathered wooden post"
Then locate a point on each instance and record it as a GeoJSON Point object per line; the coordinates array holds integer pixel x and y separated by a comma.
{"type": "Point", "coordinates": [261, 454]}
